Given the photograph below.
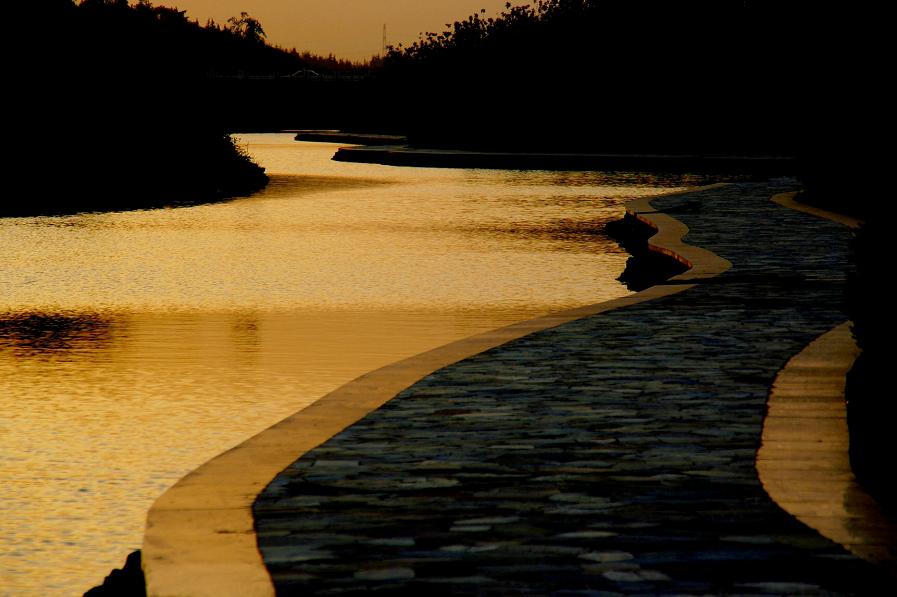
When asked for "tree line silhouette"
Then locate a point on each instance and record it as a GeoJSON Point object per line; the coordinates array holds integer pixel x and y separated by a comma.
{"type": "Point", "coordinates": [633, 76]}
{"type": "Point", "coordinates": [119, 105]}
{"type": "Point", "coordinates": [613, 75]}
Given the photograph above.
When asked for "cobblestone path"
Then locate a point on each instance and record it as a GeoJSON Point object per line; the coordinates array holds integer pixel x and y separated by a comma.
{"type": "Point", "coordinates": [613, 454]}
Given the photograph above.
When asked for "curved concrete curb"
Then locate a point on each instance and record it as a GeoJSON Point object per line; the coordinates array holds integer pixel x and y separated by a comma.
{"type": "Point", "coordinates": [803, 462]}
{"type": "Point", "coordinates": [200, 537]}
{"type": "Point", "coordinates": [668, 241]}
{"type": "Point", "coordinates": [788, 200]}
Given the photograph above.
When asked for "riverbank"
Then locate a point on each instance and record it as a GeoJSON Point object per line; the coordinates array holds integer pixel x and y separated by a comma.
{"type": "Point", "coordinates": [403, 155]}
{"type": "Point", "coordinates": [336, 136]}
{"type": "Point", "coordinates": [114, 171]}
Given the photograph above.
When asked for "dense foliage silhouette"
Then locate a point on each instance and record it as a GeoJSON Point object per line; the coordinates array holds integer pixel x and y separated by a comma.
{"type": "Point", "coordinates": [114, 108]}
{"type": "Point", "coordinates": [718, 77]}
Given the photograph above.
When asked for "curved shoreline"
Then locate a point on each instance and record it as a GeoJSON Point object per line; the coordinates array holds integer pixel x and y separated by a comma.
{"type": "Point", "coordinates": [403, 155]}
{"type": "Point", "coordinates": [790, 201]}
{"type": "Point", "coordinates": [200, 537]}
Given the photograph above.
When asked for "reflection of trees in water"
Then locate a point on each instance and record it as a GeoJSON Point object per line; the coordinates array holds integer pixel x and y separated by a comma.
{"type": "Point", "coordinates": [245, 335]}
{"type": "Point", "coordinates": [563, 235]}
{"type": "Point", "coordinates": [291, 185]}
{"type": "Point", "coordinates": [42, 333]}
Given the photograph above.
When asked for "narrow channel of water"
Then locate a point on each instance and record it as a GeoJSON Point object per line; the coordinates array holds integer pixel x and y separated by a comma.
{"type": "Point", "coordinates": [134, 346]}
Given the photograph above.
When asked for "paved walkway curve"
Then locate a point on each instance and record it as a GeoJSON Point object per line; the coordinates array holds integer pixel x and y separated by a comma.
{"type": "Point", "coordinates": [613, 454]}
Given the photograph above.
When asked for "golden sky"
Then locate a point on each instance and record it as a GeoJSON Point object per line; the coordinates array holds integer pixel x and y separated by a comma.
{"type": "Point", "coordinates": [349, 28]}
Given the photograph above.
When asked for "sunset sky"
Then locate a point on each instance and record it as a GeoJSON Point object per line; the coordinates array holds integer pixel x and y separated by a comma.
{"type": "Point", "coordinates": [348, 28]}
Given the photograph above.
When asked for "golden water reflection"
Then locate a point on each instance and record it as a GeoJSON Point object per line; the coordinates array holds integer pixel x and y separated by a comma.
{"type": "Point", "coordinates": [136, 345]}
{"type": "Point", "coordinates": [100, 416]}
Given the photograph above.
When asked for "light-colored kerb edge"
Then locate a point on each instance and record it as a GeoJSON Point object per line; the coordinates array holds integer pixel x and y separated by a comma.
{"type": "Point", "coordinates": [803, 462]}
{"type": "Point", "coordinates": [668, 240]}
{"type": "Point", "coordinates": [789, 200]}
{"type": "Point", "coordinates": [200, 538]}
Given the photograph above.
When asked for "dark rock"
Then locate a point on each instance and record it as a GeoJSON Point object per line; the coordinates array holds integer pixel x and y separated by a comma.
{"type": "Point", "coordinates": [124, 582]}
{"type": "Point", "coordinates": [645, 267]}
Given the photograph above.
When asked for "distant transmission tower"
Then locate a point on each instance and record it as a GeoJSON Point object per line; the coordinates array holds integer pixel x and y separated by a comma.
{"type": "Point", "coordinates": [384, 42]}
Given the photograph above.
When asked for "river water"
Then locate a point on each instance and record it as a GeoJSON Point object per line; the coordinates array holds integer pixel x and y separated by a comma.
{"type": "Point", "coordinates": [134, 346]}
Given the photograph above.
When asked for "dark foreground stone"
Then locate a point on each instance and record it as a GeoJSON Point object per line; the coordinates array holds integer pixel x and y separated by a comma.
{"type": "Point", "coordinates": [123, 582]}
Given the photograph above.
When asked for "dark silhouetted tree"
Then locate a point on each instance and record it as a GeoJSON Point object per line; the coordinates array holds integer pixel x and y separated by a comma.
{"type": "Point", "coordinates": [247, 28]}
